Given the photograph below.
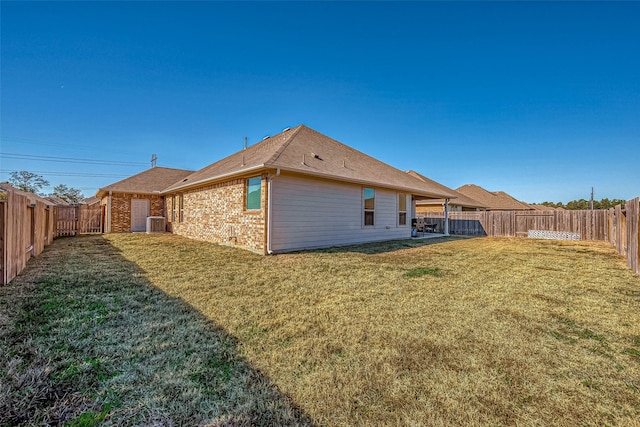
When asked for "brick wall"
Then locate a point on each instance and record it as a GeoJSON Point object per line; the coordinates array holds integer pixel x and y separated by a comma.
{"type": "Point", "coordinates": [121, 209]}
{"type": "Point", "coordinates": [216, 213]}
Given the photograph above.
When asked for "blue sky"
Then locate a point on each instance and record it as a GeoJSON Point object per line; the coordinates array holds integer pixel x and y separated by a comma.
{"type": "Point", "coordinates": [541, 100]}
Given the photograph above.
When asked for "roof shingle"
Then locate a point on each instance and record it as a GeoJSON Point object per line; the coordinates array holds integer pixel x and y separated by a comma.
{"type": "Point", "coordinates": [150, 181]}
{"type": "Point", "coordinates": [498, 200]}
{"type": "Point", "coordinates": [306, 151]}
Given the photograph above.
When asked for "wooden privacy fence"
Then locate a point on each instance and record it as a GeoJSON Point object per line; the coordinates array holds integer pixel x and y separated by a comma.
{"type": "Point", "coordinates": [624, 236]}
{"type": "Point", "coordinates": [81, 219]}
{"type": "Point", "coordinates": [26, 227]}
{"type": "Point", "coordinates": [590, 225]}
{"type": "Point", "coordinates": [28, 223]}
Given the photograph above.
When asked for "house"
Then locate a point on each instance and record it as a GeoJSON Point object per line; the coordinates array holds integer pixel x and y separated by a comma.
{"type": "Point", "coordinates": [494, 201]}
{"type": "Point", "coordinates": [297, 190]}
{"type": "Point", "coordinates": [126, 204]}
{"type": "Point", "coordinates": [457, 204]}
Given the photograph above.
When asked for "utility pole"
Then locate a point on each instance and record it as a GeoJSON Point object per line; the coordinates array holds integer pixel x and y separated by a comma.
{"type": "Point", "coordinates": [591, 201]}
{"type": "Point", "coordinates": [154, 159]}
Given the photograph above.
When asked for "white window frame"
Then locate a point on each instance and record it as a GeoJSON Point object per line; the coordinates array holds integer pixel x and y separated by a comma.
{"type": "Point", "coordinates": [402, 196]}
{"type": "Point", "coordinates": [365, 209]}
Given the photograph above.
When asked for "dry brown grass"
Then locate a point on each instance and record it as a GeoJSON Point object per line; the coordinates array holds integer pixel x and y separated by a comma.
{"type": "Point", "coordinates": [445, 332]}
{"type": "Point", "coordinates": [509, 331]}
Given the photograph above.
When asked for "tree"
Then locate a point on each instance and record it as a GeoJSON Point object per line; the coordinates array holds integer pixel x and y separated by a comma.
{"type": "Point", "coordinates": [73, 196]}
{"type": "Point", "coordinates": [583, 204]}
{"type": "Point", "coordinates": [27, 181]}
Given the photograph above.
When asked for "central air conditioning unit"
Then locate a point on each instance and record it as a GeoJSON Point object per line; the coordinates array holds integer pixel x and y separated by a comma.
{"type": "Point", "coordinates": [155, 224]}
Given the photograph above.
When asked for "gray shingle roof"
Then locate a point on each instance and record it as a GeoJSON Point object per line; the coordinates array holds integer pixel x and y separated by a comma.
{"type": "Point", "coordinates": [306, 151]}
{"type": "Point", "coordinates": [147, 182]}
{"type": "Point", "coordinates": [497, 200]}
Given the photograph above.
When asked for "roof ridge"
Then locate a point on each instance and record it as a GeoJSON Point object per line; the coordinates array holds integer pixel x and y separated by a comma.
{"type": "Point", "coordinates": [288, 140]}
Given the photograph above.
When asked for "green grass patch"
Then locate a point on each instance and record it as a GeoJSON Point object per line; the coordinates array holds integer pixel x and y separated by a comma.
{"type": "Point", "coordinates": [562, 337]}
{"type": "Point", "coordinates": [423, 271]}
{"type": "Point", "coordinates": [632, 352]}
{"type": "Point", "coordinates": [90, 418]}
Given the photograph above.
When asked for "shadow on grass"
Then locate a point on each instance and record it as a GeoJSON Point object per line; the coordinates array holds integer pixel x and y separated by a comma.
{"type": "Point", "coordinates": [388, 246]}
{"type": "Point", "coordinates": [94, 341]}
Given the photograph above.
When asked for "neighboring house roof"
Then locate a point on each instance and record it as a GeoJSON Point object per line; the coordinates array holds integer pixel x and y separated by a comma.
{"type": "Point", "coordinates": [545, 207]}
{"type": "Point", "coordinates": [306, 151]}
{"type": "Point", "coordinates": [91, 201]}
{"type": "Point", "coordinates": [496, 200]}
{"type": "Point", "coordinates": [459, 200]}
{"type": "Point", "coordinates": [147, 182]}
{"type": "Point", "coordinates": [57, 201]}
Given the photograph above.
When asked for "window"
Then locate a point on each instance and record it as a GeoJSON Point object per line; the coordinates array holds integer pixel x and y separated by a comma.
{"type": "Point", "coordinates": [181, 198]}
{"type": "Point", "coordinates": [173, 209]}
{"type": "Point", "coordinates": [253, 193]}
{"type": "Point", "coordinates": [369, 195]}
{"type": "Point", "coordinates": [402, 209]}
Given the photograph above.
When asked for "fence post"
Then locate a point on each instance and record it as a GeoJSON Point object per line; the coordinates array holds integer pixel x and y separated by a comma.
{"type": "Point", "coordinates": [3, 237]}
{"type": "Point", "coordinates": [446, 217]}
{"type": "Point", "coordinates": [633, 234]}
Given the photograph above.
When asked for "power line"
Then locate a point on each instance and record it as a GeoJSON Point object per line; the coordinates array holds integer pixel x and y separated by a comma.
{"type": "Point", "coordinates": [68, 160]}
{"type": "Point", "coordinates": [30, 141]}
{"type": "Point", "coordinates": [39, 142]}
{"type": "Point", "coordinates": [81, 174]}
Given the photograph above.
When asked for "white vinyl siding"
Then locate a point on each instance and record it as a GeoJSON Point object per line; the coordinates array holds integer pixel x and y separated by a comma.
{"type": "Point", "coordinates": [309, 213]}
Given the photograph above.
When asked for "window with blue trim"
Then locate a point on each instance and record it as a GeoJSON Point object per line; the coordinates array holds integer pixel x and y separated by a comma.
{"type": "Point", "coordinates": [253, 191]}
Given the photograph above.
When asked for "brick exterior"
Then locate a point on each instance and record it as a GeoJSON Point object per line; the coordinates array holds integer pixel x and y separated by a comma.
{"type": "Point", "coordinates": [121, 209]}
{"type": "Point", "coordinates": [216, 213]}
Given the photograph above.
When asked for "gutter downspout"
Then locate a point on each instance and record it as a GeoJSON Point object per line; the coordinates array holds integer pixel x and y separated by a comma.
{"type": "Point", "coordinates": [446, 217]}
{"type": "Point", "coordinates": [109, 213]}
{"type": "Point", "coordinates": [269, 204]}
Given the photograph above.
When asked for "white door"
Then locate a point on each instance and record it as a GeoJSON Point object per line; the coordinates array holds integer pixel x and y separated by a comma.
{"type": "Point", "coordinates": [139, 214]}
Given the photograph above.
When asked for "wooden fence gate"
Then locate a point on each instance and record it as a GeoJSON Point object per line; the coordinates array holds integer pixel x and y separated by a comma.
{"type": "Point", "coordinates": [73, 220]}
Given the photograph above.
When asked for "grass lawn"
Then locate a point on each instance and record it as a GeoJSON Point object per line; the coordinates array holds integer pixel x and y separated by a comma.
{"type": "Point", "coordinates": [156, 329]}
